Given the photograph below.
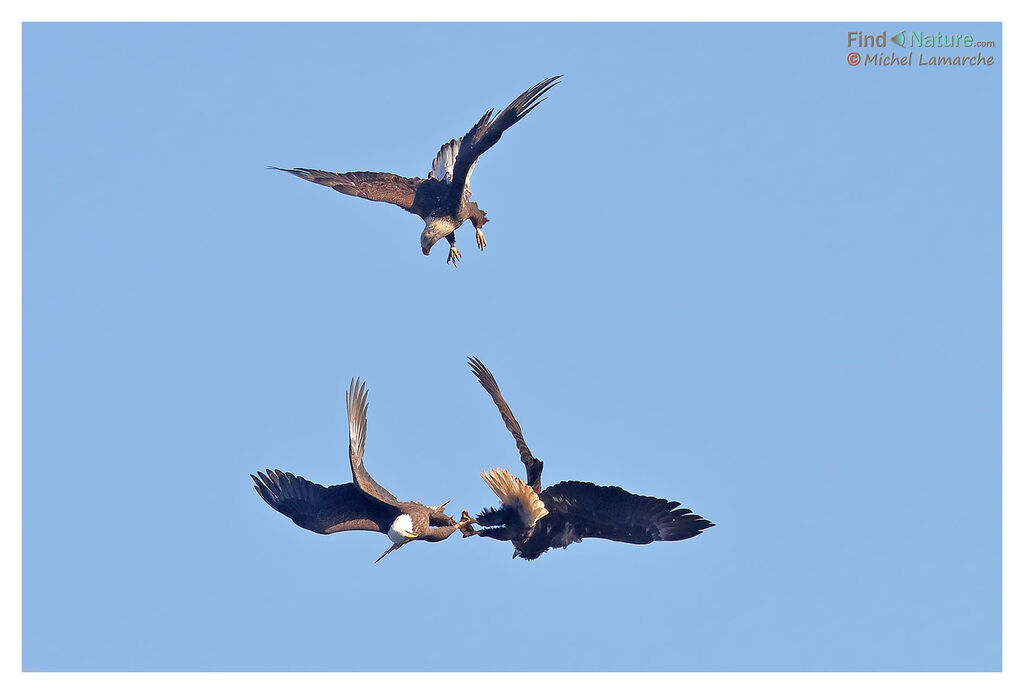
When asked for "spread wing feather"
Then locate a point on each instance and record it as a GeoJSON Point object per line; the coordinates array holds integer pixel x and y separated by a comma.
{"type": "Point", "coordinates": [323, 510]}
{"type": "Point", "coordinates": [380, 187]}
{"type": "Point", "coordinates": [533, 465]}
{"type": "Point", "coordinates": [356, 404]}
{"type": "Point", "coordinates": [581, 509]}
{"type": "Point", "coordinates": [487, 131]}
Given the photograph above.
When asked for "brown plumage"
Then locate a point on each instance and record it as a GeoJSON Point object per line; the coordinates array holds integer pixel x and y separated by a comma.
{"type": "Point", "coordinates": [535, 520]}
{"type": "Point", "coordinates": [362, 504]}
{"type": "Point", "coordinates": [441, 199]}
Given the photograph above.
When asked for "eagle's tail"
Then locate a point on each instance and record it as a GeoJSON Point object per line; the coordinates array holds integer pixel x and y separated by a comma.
{"type": "Point", "coordinates": [440, 507]}
{"type": "Point", "coordinates": [514, 493]}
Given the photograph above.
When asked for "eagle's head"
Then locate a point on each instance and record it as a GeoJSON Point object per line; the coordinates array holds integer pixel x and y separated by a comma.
{"type": "Point", "coordinates": [401, 529]}
{"type": "Point", "coordinates": [399, 533]}
{"type": "Point", "coordinates": [527, 550]}
{"type": "Point", "coordinates": [435, 230]}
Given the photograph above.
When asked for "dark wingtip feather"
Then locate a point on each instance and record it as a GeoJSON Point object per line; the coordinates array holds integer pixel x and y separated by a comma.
{"type": "Point", "coordinates": [683, 524]}
{"type": "Point", "coordinates": [304, 174]}
{"type": "Point", "coordinates": [264, 487]}
{"type": "Point", "coordinates": [485, 378]}
{"type": "Point", "coordinates": [523, 113]}
{"type": "Point", "coordinates": [530, 99]}
{"type": "Point", "coordinates": [482, 373]}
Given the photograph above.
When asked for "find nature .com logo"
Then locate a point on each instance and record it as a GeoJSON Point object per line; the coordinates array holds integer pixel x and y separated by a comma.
{"type": "Point", "coordinates": [929, 42]}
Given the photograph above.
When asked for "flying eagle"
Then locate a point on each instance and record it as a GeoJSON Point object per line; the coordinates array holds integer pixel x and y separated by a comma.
{"type": "Point", "coordinates": [536, 520]}
{"type": "Point", "coordinates": [361, 504]}
{"type": "Point", "coordinates": [442, 198]}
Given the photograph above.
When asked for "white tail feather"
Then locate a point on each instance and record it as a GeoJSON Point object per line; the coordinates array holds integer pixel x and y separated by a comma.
{"type": "Point", "coordinates": [440, 507]}
{"type": "Point", "coordinates": [443, 165]}
{"type": "Point", "coordinates": [515, 493]}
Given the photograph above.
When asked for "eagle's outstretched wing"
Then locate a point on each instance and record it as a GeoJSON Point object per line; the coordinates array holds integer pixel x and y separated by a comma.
{"type": "Point", "coordinates": [380, 187]}
{"type": "Point", "coordinates": [533, 466]}
{"type": "Point", "coordinates": [580, 509]}
{"type": "Point", "coordinates": [487, 131]}
{"type": "Point", "coordinates": [355, 404]}
{"type": "Point", "coordinates": [322, 509]}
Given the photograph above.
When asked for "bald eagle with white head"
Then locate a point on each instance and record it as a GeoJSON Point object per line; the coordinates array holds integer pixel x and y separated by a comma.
{"type": "Point", "coordinates": [534, 519]}
{"type": "Point", "coordinates": [442, 198]}
{"type": "Point", "coordinates": [361, 504]}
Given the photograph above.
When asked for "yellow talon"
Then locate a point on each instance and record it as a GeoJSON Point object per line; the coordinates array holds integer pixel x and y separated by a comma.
{"type": "Point", "coordinates": [481, 242]}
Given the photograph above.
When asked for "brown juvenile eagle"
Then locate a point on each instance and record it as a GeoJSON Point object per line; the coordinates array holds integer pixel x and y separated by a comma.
{"type": "Point", "coordinates": [442, 198]}
{"type": "Point", "coordinates": [536, 520]}
{"type": "Point", "coordinates": [361, 504]}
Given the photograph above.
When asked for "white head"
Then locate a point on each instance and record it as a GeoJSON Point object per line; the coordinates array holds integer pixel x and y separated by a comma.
{"type": "Point", "coordinates": [435, 230]}
{"type": "Point", "coordinates": [400, 532]}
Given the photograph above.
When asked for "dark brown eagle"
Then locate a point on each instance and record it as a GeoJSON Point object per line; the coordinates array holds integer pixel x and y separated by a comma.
{"type": "Point", "coordinates": [535, 520]}
{"type": "Point", "coordinates": [442, 198]}
{"type": "Point", "coordinates": [361, 504]}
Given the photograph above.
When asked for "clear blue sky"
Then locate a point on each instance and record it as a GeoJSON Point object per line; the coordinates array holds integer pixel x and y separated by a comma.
{"type": "Point", "coordinates": [725, 268]}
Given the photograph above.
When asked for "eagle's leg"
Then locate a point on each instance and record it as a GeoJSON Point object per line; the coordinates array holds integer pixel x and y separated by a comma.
{"type": "Point", "coordinates": [453, 253]}
{"type": "Point", "coordinates": [465, 524]}
{"type": "Point", "coordinates": [479, 218]}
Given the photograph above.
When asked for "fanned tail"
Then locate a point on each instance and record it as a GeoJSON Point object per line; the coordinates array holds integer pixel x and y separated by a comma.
{"type": "Point", "coordinates": [515, 493]}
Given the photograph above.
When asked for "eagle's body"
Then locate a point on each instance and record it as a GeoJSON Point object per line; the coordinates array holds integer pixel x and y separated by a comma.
{"type": "Point", "coordinates": [441, 199]}
{"type": "Point", "coordinates": [535, 519]}
{"type": "Point", "coordinates": [362, 504]}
